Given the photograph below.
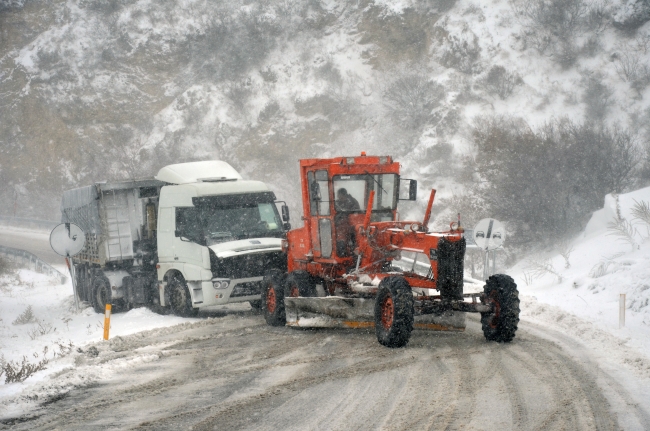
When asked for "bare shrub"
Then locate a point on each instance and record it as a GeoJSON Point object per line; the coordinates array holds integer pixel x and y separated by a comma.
{"type": "Point", "coordinates": [42, 328]}
{"type": "Point", "coordinates": [641, 212]}
{"type": "Point", "coordinates": [411, 98]}
{"type": "Point", "coordinates": [501, 82]}
{"type": "Point", "coordinates": [15, 371]}
{"type": "Point", "coordinates": [461, 52]}
{"type": "Point", "coordinates": [597, 97]}
{"type": "Point", "coordinates": [631, 67]}
{"type": "Point", "coordinates": [540, 269]}
{"type": "Point", "coordinates": [624, 231]}
{"type": "Point", "coordinates": [555, 25]}
{"type": "Point", "coordinates": [26, 316]}
{"type": "Point", "coordinates": [5, 265]}
{"type": "Point", "coordinates": [565, 251]}
{"type": "Point", "coordinates": [546, 182]}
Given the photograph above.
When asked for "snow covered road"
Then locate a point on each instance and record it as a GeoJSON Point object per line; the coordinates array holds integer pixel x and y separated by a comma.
{"type": "Point", "coordinates": [234, 372]}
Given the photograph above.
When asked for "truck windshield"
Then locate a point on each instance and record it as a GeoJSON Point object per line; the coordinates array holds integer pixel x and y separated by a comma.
{"type": "Point", "coordinates": [351, 192]}
{"type": "Point", "coordinates": [233, 217]}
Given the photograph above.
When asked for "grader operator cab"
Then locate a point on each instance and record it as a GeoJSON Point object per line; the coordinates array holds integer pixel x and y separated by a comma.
{"type": "Point", "coordinates": [341, 269]}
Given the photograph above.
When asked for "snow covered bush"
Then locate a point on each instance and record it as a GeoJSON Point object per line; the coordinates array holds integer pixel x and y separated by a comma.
{"type": "Point", "coordinates": [501, 82]}
{"type": "Point", "coordinates": [630, 14]}
{"type": "Point", "coordinates": [411, 98]}
{"type": "Point", "coordinates": [26, 316]}
{"type": "Point", "coordinates": [555, 25]}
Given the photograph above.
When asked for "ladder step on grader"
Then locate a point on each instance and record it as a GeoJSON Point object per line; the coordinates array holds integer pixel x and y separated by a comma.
{"type": "Point", "coordinates": [342, 264]}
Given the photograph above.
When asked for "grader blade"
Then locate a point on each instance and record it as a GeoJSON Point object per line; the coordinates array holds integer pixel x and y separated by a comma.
{"type": "Point", "coordinates": [340, 312]}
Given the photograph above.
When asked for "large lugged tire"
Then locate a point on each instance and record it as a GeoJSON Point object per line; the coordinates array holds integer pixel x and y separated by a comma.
{"type": "Point", "coordinates": [273, 298]}
{"type": "Point", "coordinates": [101, 293]}
{"type": "Point", "coordinates": [394, 312]}
{"type": "Point", "coordinates": [300, 283]}
{"type": "Point", "coordinates": [180, 299]}
{"type": "Point", "coordinates": [501, 324]}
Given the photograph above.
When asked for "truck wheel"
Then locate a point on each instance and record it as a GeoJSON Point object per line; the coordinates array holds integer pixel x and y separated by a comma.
{"type": "Point", "coordinates": [394, 312]}
{"type": "Point", "coordinates": [101, 294]}
{"type": "Point", "coordinates": [273, 298]}
{"type": "Point", "coordinates": [300, 283]}
{"type": "Point", "coordinates": [180, 299]}
{"type": "Point", "coordinates": [501, 324]}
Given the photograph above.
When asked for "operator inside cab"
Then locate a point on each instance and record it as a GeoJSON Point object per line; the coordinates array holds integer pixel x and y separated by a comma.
{"type": "Point", "coordinates": [344, 233]}
{"type": "Point", "coordinates": [345, 201]}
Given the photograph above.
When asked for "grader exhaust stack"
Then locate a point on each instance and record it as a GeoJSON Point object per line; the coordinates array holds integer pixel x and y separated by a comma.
{"type": "Point", "coordinates": [341, 263]}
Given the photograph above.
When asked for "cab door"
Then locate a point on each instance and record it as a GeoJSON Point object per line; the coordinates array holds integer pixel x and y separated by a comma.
{"type": "Point", "coordinates": [320, 197]}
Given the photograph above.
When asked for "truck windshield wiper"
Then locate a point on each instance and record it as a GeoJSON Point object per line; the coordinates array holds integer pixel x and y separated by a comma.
{"type": "Point", "coordinates": [379, 185]}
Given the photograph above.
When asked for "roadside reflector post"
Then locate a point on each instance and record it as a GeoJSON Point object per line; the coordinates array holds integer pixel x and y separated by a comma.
{"type": "Point", "coordinates": [107, 320]}
{"type": "Point", "coordinates": [621, 310]}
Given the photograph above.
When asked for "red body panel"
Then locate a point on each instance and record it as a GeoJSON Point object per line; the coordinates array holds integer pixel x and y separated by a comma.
{"type": "Point", "coordinates": [314, 247]}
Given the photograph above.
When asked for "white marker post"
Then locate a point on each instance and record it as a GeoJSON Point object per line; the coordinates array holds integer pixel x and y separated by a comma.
{"type": "Point", "coordinates": [621, 310]}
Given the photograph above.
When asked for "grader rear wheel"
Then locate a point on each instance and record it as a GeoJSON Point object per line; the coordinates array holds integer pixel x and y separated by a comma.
{"type": "Point", "coordinates": [394, 312]}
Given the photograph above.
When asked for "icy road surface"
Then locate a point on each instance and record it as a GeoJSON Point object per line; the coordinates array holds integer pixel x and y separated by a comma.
{"type": "Point", "coordinates": [234, 372]}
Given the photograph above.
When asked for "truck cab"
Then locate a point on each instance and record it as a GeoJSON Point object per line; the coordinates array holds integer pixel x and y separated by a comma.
{"type": "Point", "coordinates": [218, 233]}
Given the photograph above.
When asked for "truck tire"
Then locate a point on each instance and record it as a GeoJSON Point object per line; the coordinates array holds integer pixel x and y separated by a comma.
{"type": "Point", "coordinates": [101, 293]}
{"type": "Point", "coordinates": [501, 324]}
{"type": "Point", "coordinates": [180, 299]}
{"type": "Point", "coordinates": [273, 298]}
{"type": "Point", "coordinates": [300, 283]}
{"type": "Point", "coordinates": [394, 312]}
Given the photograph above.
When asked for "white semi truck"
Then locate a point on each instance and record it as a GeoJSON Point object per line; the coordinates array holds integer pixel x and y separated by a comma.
{"type": "Point", "coordinates": [194, 236]}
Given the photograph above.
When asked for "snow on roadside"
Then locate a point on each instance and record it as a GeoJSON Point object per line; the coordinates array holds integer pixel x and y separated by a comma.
{"type": "Point", "coordinates": [55, 328]}
{"type": "Point", "coordinates": [581, 297]}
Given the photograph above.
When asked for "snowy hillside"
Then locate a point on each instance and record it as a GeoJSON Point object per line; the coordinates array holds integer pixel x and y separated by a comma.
{"type": "Point", "coordinates": [96, 90]}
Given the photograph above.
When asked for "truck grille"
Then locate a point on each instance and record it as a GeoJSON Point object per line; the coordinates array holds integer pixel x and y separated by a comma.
{"type": "Point", "coordinates": [248, 265]}
{"type": "Point", "coordinates": [247, 289]}
{"type": "Point", "coordinates": [450, 268]}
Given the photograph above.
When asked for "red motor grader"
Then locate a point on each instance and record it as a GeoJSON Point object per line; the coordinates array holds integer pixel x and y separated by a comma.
{"type": "Point", "coordinates": [348, 245]}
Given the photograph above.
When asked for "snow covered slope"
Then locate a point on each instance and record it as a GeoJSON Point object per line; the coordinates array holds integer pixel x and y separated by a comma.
{"type": "Point", "coordinates": [580, 294]}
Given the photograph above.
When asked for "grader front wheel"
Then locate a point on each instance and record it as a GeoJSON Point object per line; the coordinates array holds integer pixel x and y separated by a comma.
{"type": "Point", "coordinates": [394, 312]}
{"type": "Point", "coordinates": [273, 299]}
{"type": "Point", "coordinates": [501, 323]}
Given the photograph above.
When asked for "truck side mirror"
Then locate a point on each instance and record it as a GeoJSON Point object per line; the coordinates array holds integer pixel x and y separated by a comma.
{"type": "Point", "coordinates": [412, 192]}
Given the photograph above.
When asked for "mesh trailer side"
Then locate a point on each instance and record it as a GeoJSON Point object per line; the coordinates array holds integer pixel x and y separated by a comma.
{"type": "Point", "coordinates": [80, 206]}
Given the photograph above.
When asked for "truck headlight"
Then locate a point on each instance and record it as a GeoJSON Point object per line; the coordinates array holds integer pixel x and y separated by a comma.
{"type": "Point", "coordinates": [220, 284]}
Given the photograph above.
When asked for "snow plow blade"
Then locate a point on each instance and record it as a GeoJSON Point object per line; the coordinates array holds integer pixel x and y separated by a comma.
{"type": "Point", "coordinates": [339, 312]}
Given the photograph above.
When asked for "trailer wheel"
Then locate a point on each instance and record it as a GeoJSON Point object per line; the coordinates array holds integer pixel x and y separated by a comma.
{"type": "Point", "coordinates": [300, 283]}
{"type": "Point", "coordinates": [180, 298]}
{"type": "Point", "coordinates": [501, 324]}
{"type": "Point", "coordinates": [394, 312]}
{"type": "Point", "coordinates": [101, 293]}
{"type": "Point", "coordinates": [273, 298]}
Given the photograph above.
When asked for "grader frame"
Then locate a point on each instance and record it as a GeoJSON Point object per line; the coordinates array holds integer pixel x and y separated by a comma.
{"type": "Point", "coordinates": [348, 245]}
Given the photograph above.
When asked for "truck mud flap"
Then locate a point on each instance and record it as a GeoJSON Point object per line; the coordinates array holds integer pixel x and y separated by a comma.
{"type": "Point", "coordinates": [339, 312]}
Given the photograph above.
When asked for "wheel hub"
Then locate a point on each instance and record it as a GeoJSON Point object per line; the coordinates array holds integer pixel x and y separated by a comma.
{"type": "Point", "coordinates": [270, 300]}
{"type": "Point", "coordinates": [387, 312]}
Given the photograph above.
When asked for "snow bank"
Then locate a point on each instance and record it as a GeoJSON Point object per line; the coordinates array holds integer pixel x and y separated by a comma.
{"type": "Point", "coordinates": [602, 264]}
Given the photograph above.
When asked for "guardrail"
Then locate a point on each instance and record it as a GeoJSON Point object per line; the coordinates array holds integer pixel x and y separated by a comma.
{"type": "Point", "coordinates": [27, 258]}
{"type": "Point", "coordinates": [29, 222]}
